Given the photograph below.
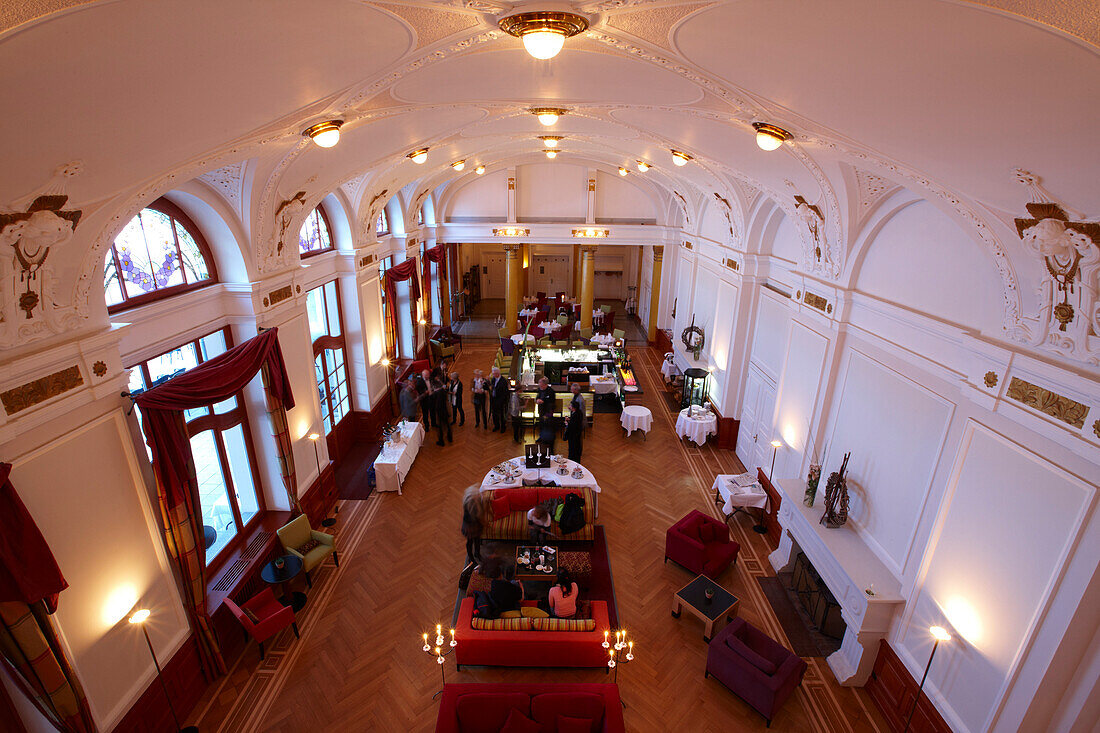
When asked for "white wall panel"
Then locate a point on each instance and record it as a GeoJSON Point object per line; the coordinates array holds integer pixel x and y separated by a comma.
{"type": "Point", "coordinates": [769, 343]}
{"type": "Point", "coordinates": [798, 389]}
{"type": "Point", "coordinates": [618, 198]}
{"type": "Point", "coordinates": [551, 191]}
{"type": "Point", "coordinates": [714, 225]}
{"type": "Point", "coordinates": [787, 243]}
{"type": "Point", "coordinates": [483, 196]}
{"type": "Point", "coordinates": [895, 430]}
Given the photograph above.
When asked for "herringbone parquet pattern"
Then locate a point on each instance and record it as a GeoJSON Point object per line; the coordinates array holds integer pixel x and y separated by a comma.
{"type": "Point", "coordinates": [358, 666]}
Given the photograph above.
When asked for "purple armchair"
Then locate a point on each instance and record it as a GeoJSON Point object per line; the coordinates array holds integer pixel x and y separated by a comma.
{"type": "Point", "coordinates": [754, 667]}
{"type": "Point", "coordinates": [701, 544]}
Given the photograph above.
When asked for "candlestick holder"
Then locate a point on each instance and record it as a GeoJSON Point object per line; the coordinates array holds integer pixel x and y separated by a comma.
{"type": "Point", "coordinates": [441, 650]}
{"type": "Point", "coordinates": [616, 657]}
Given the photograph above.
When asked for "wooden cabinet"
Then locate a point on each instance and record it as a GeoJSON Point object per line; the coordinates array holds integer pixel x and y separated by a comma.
{"type": "Point", "coordinates": [892, 689]}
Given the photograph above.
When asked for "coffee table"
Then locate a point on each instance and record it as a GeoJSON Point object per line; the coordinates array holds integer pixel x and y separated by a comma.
{"type": "Point", "coordinates": [527, 571]}
{"type": "Point", "coordinates": [275, 576]}
{"type": "Point", "coordinates": [692, 595]}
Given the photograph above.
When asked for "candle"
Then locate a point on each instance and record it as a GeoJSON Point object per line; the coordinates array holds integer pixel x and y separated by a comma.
{"type": "Point", "coordinates": [437, 651]}
{"type": "Point", "coordinates": [453, 642]}
{"type": "Point", "coordinates": [425, 637]}
{"type": "Point", "coordinates": [438, 629]}
{"type": "Point", "coordinates": [605, 642]}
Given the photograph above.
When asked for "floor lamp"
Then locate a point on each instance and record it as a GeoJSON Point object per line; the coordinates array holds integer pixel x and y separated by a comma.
{"type": "Point", "coordinates": [328, 521]}
{"type": "Point", "coordinates": [761, 528]}
{"type": "Point", "coordinates": [139, 618]}
{"type": "Point", "coordinates": [939, 634]}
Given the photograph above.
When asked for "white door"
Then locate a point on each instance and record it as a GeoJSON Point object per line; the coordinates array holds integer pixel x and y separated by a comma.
{"type": "Point", "coordinates": [492, 276]}
{"type": "Point", "coordinates": [551, 274]}
{"type": "Point", "coordinates": [755, 432]}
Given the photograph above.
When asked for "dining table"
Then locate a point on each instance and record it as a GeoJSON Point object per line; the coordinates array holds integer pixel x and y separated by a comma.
{"type": "Point", "coordinates": [395, 459]}
{"type": "Point", "coordinates": [738, 492]}
{"type": "Point", "coordinates": [519, 474]}
{"type": "Point", "coordinates": [696, 424]}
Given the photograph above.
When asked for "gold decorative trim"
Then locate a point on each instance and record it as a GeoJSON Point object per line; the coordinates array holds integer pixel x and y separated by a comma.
{"type": "Point", "coordinates": [591, 184]}
{"type": "Point", "coordinates": [591, 233]}
{"type": "Point", "coordinates": [688, 245]}
{"type": "Point", "coordinates": [991, 379]}
{"type": "Point", "coordinates": [1096, 428]}
{"type": "Point", "coordinates": [565, 24]}
{"type": "Point", "coordinates": [815, 301]}
{"type": "Point", "coordinates": [511, 183]}
{"type": "Point", "coordinates": [511, 232]}
{"type": "Point", "coordinates": [99, 368]}
{"type": "Point", "coordinates": [733, 264]}
{"type": "Point", "coordinates": [366, 260]}
{"type": "Point", "coordinates": [280, 294]}
{"type": "Point", "coordinates": [1050, 403]}
{"type": "Point", "coordinates": [658, 252]}
{"type": "Point", "coordinates": [30, 394]}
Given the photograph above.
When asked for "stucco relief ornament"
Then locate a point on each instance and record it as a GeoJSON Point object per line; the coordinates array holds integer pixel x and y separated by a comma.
{"type": "Point", "coordinates": [813, 224]}
{"type": "Point", "coordinates": [287, 212]}
{"type": "Point", "coordinates": [32, 235]}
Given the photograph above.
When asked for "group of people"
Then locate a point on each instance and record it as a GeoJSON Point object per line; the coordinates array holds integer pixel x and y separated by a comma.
{"type": "Point", "coordinates": [436, 396]}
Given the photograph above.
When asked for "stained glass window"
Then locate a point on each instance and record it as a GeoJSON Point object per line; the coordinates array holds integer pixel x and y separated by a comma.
{"type": "Point", "coordinates": [382, 224]}
{"type": "Point", "coordinates": [314, 236]}
{"type": "Point", "coordinates": [420, 217]}
{"type": "Point", "coordinates": [323, 312]}
{"type": "Point", "coordinates": [159, 252]}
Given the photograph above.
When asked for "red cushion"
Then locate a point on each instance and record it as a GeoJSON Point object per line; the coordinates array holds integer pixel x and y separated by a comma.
{"type": "Point", "coordinates": [574, 725]}
{"type": "Point", "coordinates": [519, 723]}
{"type": "Point", "coordinates": [522, 499]}
{"type": "Point", "coordinates": [486, 712]}
{"type": "Point", "coordinates": [756, 660]}
{"type": "Point", "coordinates": [502, 507]}
{"type": "Point", "coordinates": [708, 532]}
{"type": "Point", "coordinates": [547, 707]}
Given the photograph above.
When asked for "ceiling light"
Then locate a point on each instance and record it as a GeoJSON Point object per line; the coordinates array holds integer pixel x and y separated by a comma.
{"type": "Point", "coordinates": [480, 170]}
{"type": "Point", "coordinates": [551, 153]}
{"type": "Point", "coordinates": [418, 156]}
{"type": "Point", "coordinates": [623, 171]}
{"type": "Point", "coordinates": [548, 116]}
{"type": "Point", "coordinates": [679, 158]}
{"type": "Point", "coordinates": [459, 165]}
{"type": "Point", "coordinates": [543, 33]}
{"type": "Point", "coordinates": [550, 141]}
{"type": "Point", "coordinates": [643, 166]}
{"type": "Point", "coordinates": [769, 137]}
{"type": "Point", "coordinates": [325, 134]}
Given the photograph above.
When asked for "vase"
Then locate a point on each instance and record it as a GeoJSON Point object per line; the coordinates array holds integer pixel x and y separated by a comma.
{"type": "Point", "coordinates": [812, 480]}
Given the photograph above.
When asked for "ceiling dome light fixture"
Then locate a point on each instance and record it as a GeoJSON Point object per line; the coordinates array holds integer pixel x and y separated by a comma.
{"type": "Point", "coordinates": [769, 137]}
{"type": "Point", "coordinates": [418, 156]}
{"type": "Point", "coordinates": [623, 171]}
{"type": "Point", "coordinates": [550, 141]}
{"type": "Point", "coordinates": [551, 153]}
{"type": "Point", "coordinates": [325, 134]}
{"type": "Point", "coordinates": [480, 170]}
{"type": "Point", "coordinates": [679, 158]}
{"type": "Point", "coordinates": [543, 33]}
{"type": "Point", "coordinates": [458, 165]}
{"type": "Point", "coordinates": [643, 166]}
{"type": "Point", "coordinates": [548, 116]}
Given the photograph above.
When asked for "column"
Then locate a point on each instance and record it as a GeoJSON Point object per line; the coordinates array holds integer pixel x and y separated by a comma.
{"type": "Point", "coordinates": [445, 287]}
{"type": "Point", "coordinates": [655, 292]}
{"type": "Point", "coordinates": [590, 216]}
{"type": "Point", "coordinates": [511, 195]}
{"type": "Point", "coordinates": [513, 269]}
{"type": "Point", "coordinates": [588, 283]}
{"type": "Point", "coordinates": [576, 291]}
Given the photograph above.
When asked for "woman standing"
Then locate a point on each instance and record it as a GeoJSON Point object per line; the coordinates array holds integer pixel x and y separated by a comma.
{"type": "Point", "coordinates": [455, 389]}
{"type": "Point", "coordinates": [479, 388]}
{"type": "Point", "coordinates": [473, 522]}
{"type": "Point", "coordinates": [574, 431]}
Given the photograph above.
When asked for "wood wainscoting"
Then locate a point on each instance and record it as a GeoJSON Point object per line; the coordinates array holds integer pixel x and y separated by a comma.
{"type": "Point", "coordinates": [185, 681]}
{"type": "Point", "coordinates": [320, 497]}
{"type": "Point", "coordinates": [771, 514]}
{"type": "Point", "coordinates": [893, 690]}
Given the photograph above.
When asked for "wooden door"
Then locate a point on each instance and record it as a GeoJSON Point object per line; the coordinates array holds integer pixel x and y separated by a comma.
{"type": "Point", "coordinates": [551, 274]}
{"type": "Point", "coordinates": [492, 276]}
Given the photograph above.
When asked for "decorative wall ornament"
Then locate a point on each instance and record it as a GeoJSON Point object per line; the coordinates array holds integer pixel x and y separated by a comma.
{"type": "Point", "coordinates": [511, 232]}
{"type": "Point", "coordinates": [279, 295]}
{"type": "Point", "coordinates": [1096, 428]}
{"type": "Point", "coordinates": [285, 214]}
{"type": "Point", "coordinates": [991, 379]}
{"type": "Point", "coordinates": [836, 491]}
{"type": "Point", "coordinates": [694, 338]}
{"type": "Point", "coordinates": [689, 246]}
{"type": "Point", "coordinates": [727, 211]}
{"type": "Point", "coordinates": [1050, 403]}
{"type": "Point", "coordinates": [815, 301]}
{"type": "Point", "coordinates": [591, 233]}
{"type": "Point", "coordinates": [733, 264]}
{"type": "Point", "coordinates": [229, 182]}
{"type": "Point", "coordinates": [870, 189]}
{"type": "Point", "coordinates": [812, 228]}
{"type": "Point", "coordinates": [683, 207]}
{"type": "Point", "coordinates": [30, 394]}
{"type": "Point", "coordinates": [99, 368]}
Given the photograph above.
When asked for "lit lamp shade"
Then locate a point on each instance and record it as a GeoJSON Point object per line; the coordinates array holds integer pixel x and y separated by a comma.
{"type": "Point", "coordinates": [548, 118]}
{"type": "Point", "coordinates": [623, 171]}
{"type": "Point", "coordinates": [543, 43]}
{"type": "Point", "coordinates": [767, 141]}
{"type": "Point", "coordinates": [418, 156]}
{"type": "Point", "coordinates": [551, 154]}
{"type": "Point", "coordinates": [325, 134]}
{"type": "Point", "coordinates": [480, 170]}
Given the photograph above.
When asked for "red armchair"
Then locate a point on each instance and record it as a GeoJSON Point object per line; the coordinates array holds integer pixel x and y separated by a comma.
{"type": "Point", "coordinates": [701, 544]}
{"type": "Point", "coordinates": [271, 617]}
{"type": "Point", "coordinates": [754, 667]}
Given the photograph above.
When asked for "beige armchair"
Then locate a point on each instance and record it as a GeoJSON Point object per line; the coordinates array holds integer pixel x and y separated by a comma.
{"type": "Point", "coordinates": [298, 533]}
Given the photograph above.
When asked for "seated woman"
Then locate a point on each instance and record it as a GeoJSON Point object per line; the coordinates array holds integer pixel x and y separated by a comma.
{"type": "Point", "coordinates": [505, 591]}
{"type": "Point", "coordinates": [563, 597]}
{"type": "Point", "coordinates": [538, 525]}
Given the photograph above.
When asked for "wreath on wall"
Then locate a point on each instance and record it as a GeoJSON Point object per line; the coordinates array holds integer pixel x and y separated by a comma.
{"type": "Point", "coordinates": [693, 338]}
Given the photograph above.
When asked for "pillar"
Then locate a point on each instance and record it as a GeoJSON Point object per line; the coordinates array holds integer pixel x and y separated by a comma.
{"type": "Point", "coordinates": [588, 283]}
{"type": "Point", "coordinates": [576, 271]}
{"type": "Point", "coordinates": [513, 269]}
{"type": "Point", "coordinates": [445, 287]}
{"type": "Point", "coordinates": [655, 292]}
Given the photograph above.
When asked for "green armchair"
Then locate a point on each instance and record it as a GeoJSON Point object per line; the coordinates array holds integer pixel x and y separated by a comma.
{"type": "Point", "coordinates": [441, 352]}
{"type": "Point", "coordinates": [298, 533]}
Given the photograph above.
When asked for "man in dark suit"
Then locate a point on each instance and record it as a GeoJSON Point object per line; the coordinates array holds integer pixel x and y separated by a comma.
{"type": "Point", "coordinates": [421, 382]}
{"type": "Point", "coordinates": [498, 398]}
{"type": "Point", "coordinates": [547, 399]}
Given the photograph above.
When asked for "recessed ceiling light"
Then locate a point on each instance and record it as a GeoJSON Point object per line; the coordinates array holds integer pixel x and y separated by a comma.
{"type": "Point", "coordinates": [458, 165]}
{"type": "Point", "coordinates": [418, 156]}
{"type": "Point", "coordinates": [479, 170]}
{"type": "Point", "coordinates": [623, 171]}
{"type": "Point", "coordinates": [642, 166]}
{"type": "Point", "coordinates": [543, 33]}
{"type": "Point", "coordinates": [679, 158]}
{"type": "Point", "coordinates": [769, 137]}
{"type": "Point", "coordinates": [551, 153]}
{"type": "Point", "coordinates": [548, 116]}
{"type": "Point", "coordinates": [325, 134]}
{"type": "Point", "coordinates": [550, 141]}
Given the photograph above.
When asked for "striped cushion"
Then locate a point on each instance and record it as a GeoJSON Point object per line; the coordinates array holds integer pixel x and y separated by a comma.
{"type": "Point", "coordinates": [564, 624]}
{"type": "Point", "coordinates": [502, 624]}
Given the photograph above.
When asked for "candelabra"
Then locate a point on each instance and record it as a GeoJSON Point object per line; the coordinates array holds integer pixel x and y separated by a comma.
{"type": "Point", "coordinates": [617, 647]}
{"type": "Point", "coordinates": [440, 652]}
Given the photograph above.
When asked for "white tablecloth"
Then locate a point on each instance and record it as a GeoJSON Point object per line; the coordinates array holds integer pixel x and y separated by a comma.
{"type": "Point", "coordinates": [528, 312]}
{"type": "Point", "coordinates": [696, 428]}
{"type": "Point", "coordinates": [636, 417]}
{"type": "Point", "coordinates": [597, 316]}
{"type": "Point", "coordinates": [668, 369]}
{"type": "Point", "coordinates": [532, 474]}
{"type": "Point", "coordinates": [603, 339]}
{"type": "Point", "coordinates": [550, 326]}
{"type": "Point", "coordinates": [603, 383]}
{"type": "Point", "coordinates": [738, 496]}
{"type": "Point", "coordinates": [393, 462]}
{"type": "Point", "coordinates": [518, 338]}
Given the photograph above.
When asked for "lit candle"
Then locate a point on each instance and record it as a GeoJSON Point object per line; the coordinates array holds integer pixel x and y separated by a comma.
{"type": "Point", "coordinates": [453, 642]}
{"type": "Point", "coordinates": [426, 647]}
{"type": "Point", "coordinates": [438, 629]}
{"type": "Point", "coordinates": [437, 651]}
{"type": "Point", "coordinates": [605, 642]}
{"type": "Point", "coordinates": [630, 652]}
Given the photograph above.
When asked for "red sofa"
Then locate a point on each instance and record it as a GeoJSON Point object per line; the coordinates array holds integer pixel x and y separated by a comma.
{"type": "Point", "coordinates": [473, 708]}
{"type": "Point", "coordinates": [512, 524]}
{"type": "Point", "coordinates": [530, 648]}
{"type": "Point", "coordinates": [701, 544]}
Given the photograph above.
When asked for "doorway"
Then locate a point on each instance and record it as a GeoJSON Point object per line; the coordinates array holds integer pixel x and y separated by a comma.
{"type": "Point", "coordinates": [492, 276]}
{"type": "Point", "coordinates": [551, 274]}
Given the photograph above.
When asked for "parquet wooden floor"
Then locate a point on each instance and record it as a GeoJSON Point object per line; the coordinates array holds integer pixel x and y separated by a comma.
{"type": "Point", "coordinates": [359, 667]}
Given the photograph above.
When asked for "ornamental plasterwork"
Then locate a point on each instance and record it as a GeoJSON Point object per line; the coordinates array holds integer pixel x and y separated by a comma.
{"type": "Point", "coordinates": [229, 182]}
{"type": "Point", "coordinates": [870, 189]}
{"type": "Point", "coordinates": [431, 25]}
{"type": "Point", "coordinates": [831, 262]}
{"type": "Point", "coordinates": [653, 24]}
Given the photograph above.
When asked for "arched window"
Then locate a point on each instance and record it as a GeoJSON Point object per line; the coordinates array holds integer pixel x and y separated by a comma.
{"type": "Point", "coordinates": [315, 236]}
{"type": "Point", "coordinates": [382, 225]}
{"type": "Point", "coordinates": [159, 253]}
{"type": "Point", "coordinates": [420, 217]}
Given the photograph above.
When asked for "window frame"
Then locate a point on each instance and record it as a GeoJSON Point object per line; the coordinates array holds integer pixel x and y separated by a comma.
{"type": "Point", "coordinates": [385, 263]}
{"type": "Point", "coordinates": [384, 218]}
{"type": "Point", "coordinates": [331, 241]}
{"type": "Point", "coordinates": [322, 344]}
{"type": "Point", "coordinates": [173, 211]}
{"type": "Point", "coordinates": [217, 423]}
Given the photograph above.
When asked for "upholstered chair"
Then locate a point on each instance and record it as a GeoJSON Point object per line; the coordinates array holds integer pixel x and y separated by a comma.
{"type": "Point", "coordinates": [755, 667]}
{"type": "Point", "coordinates": [701, 544]}
{"type": "Point", "coordinates": [262, 616]}
{"type": "Point", "coordinates": [304, 542]}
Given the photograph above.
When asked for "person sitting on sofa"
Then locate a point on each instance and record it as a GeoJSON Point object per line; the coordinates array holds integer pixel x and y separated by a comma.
{"type": "Point", "coordinates": [538, 524]}
{"type": "Point", "coordinates": [505, 591]}
{"type": "Point", "coordinates": [563, 597]}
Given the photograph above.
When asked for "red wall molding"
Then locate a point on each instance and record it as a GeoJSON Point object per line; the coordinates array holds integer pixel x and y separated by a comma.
{"type": "Point", "coordinates": [185, 681]}
{"type": "Point", "coordinates": [893, 690]}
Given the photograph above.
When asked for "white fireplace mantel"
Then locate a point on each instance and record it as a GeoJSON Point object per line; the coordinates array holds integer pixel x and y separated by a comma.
{"type": "Point", "coordinates": [849, 568]}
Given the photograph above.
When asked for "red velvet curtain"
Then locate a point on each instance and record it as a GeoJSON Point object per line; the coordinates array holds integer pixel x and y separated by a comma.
{"type": "Point", "coordinates": [400, 273]}
{"type": "Point", "coordinates": [174, 466]}
{"type": "Point", "coordinates": [438, 255]}
{"type": "Point", "coordinates": [30, 583]}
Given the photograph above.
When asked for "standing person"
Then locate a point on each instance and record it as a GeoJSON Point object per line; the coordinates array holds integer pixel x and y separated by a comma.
{"type": "Point", "coordinates": [515, 409]}
{"type": "Point", "coordinates": [498, 398]}
{"type": "Point", "coordinates": [563, 597]}
{"type": "Point", "coordinates": [574, 432]}
{"type": "Point", "coordinates": [546, 399]}
{"type": "Point", "coordinates": [578, 398]}
{"type": "Point", "coordinates": [422, 381]}
{"type": "Point", "coordinates": [473, 522]}
{"type": "Point", "coordinates": [479, 387]}
{"type": "Point", "coordinates": [441, 413]}
{"type": "Point", "coordinates": [408, 400]}
{"type": "Point", "coordinates": [455, 388]}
